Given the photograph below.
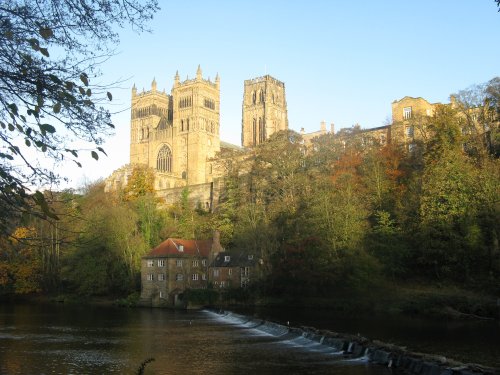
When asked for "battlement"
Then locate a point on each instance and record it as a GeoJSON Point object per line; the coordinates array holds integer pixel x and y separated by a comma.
{"type": "Point", "coordinates": [267, 77]}
{"type": "Point", "coordinates": [195, 80]}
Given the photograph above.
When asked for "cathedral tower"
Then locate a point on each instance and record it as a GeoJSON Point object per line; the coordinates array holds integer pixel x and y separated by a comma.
{"type": "Point", "coordinates": [176, 134]}
{"type": "Point", "coordinates": [264, 110]}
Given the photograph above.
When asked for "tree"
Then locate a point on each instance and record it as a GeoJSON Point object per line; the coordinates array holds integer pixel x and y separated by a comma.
{"type": "Point", "coordinates": [50, 51]}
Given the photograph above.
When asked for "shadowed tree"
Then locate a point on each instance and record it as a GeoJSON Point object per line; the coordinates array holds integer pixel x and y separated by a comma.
{"type": "Point", "coordinates": [50, 52]}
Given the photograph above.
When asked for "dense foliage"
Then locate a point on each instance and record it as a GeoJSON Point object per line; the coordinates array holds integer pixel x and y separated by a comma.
{"type": "Point", "coordinates": [343, 214]}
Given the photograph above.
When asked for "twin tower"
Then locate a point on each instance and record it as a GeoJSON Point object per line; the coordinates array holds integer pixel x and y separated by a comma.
{"type": "Point", "coordinates": [177, 134]}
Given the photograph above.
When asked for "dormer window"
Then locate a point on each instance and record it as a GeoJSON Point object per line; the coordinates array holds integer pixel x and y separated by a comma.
{"type": "Point", "coordinates": [227, 258]}
{"type": "Point", "coordinates": [181, 248]}
{"type": "Point", "coordinates": [250, 257]}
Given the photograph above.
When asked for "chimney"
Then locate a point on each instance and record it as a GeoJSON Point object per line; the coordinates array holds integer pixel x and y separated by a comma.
{"type": "Point", "coordinates": [332, 128]}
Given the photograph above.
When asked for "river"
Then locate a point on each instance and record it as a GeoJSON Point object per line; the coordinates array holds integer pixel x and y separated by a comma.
{"type": "Point", "coordinates": [62, 339]}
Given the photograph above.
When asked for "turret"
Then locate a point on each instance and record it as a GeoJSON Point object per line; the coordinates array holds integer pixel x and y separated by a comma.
{"type": "Point", "coordinates": [217, 80]}
{"type": "Point", "coordinates": [134, 91]}
{"type": "Point", "coordinates": [176, 79]}
{"type": "Point", "coordinates": [153, 85]}
{"type": "Point", "coordinates": [198, 73]}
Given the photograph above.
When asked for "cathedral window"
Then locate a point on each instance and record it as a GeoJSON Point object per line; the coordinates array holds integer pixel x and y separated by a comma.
{"type": "Point", "coordinates": [407, 113]}
{"type": "Point", "coordinates": [187, 124]}
{"type": "Point", "coordinates": [254, 97]}
{"type": "Point", "coordinates": [184, 175]}
{"type": "Point", "coordinates": [164, 159]}
{"type": "Point", "coordinates": [209, 103]}
{"type": "Point", "coordinates": [182, 125]}
{"type": "Point", "coordinates": [261, 96]}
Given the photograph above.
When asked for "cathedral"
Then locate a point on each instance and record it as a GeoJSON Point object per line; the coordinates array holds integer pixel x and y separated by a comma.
{"type": "Point", "coordinates": [177, 134]}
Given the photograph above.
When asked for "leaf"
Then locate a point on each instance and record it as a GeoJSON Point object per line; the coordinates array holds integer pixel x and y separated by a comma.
{"type": "Point", "coordinates": [13, 108]}
{"type": "Point", "coordinates": [95, 155]}
{"type": "Point", "coordinates": [44, 147]}
{"type": "Point", "coordinates": [55, 79]}
{"type": "Point", "coordinates": [34, 43]}
{"type": "Point", "coordinates": [73, 152]}
{"type": "Point", "coordinates": [70, 85]}
{"type": "Point", "coordinates": [27, 142]}
{"type": "Point", "coordinates": [78, 163]}
{"type": "Point", "coordinates": [84, 78]}
{"type": "Point", "coordinates": [47, 128]}
{"type": "Point", "coordinates": [89, 92]}
{"type": "Point", "coordinates": [57, 108]}
{"type": "Point", "coordinates": [44, 51]}
{"type": "Point", "coordinates": [11, 127]}
{"type": "Point", "coordinates": [110, 97]}
{"type": "Point", "coordinates": [102, 150]}
{"type": "Point", "coordinates": [46, 32]}
{"type": "Point", "coordinates": [82, 90]}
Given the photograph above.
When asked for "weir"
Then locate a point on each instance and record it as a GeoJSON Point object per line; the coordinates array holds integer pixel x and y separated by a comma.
{"type": "Point", "coordinates": [355, 347]}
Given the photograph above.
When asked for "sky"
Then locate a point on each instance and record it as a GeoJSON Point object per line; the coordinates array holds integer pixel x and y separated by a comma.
{"type": "Point", "coordinates": [343, 62]}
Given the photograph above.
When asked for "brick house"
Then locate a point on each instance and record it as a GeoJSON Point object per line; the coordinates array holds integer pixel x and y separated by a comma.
{"type": "Point", "coordinates": [232, 270]}
{"type": "Point", "coordinates": [174, 266]}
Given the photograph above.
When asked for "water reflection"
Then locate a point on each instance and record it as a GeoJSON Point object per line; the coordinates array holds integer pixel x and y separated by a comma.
{"type": "Point", "coordinates": [84, 340]}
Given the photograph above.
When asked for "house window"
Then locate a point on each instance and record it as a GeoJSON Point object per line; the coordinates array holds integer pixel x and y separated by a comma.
{"type": "Point", "coordinates": [150, 263]}
{"type": "Point", "coordinates": [178, 262]}
{"type": "Point", "coordinates": [181, 248]}
{"type": "Point", "coordinates": [216, 272]}
{"type": "Point", "coordinates": [230, 271]}
{"type": "Point", "coordinates": [250, 257]}
{"type": "Point", "coordinates": [203, 276]}
{"type": "Point", "coordinates": [412, 147]}
{"type": "Point", "coordinates": [150, 277]}
{"type": "Point", "coordinates": [179, 277]}
{"type": "Point", "coordinates": [222, 284]}
{"type": "Point", "coordinates": [161, 277]}
{"type": "Point", "coordinates": [227, 258]}
{"type": "Point", "coordinates": [161, 263]}
{"type": "Point", "coordinates": [409, 131]}
{"type": "Point", "coordinates": [407, 113]}
{"type": "Point", "coordinates": [195, 277]}
{"type": "Point", "coordinates": [204, 262]}
{"type": "Point", "coordinates": [161, 294]}
{"type": "Point", "coordinates": [246, 271]}
{"type": "Point", "coordinates": [195, 263]}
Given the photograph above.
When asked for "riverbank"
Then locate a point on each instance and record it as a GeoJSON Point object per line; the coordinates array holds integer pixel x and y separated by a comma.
{"type": "Point", "coordinates": [443, 302]}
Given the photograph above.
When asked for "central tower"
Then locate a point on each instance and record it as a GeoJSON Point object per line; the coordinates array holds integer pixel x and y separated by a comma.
{"type": "Point", "coordinates": [264, 110]}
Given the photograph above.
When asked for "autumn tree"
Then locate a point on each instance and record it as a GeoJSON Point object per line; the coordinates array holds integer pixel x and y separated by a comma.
{"type": "Point", "coordinates": [51, 104]}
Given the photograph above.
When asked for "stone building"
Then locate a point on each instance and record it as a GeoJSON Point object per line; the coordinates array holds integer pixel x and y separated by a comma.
{"type": "Point", "coordinates": [174, 266]}
{"type": "Point", "coordinates": [264, 110]}
{"type": "Point", "coordinates": [232, 270]}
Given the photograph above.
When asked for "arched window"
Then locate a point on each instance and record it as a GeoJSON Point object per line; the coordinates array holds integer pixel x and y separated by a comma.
{"type": "Point", "coordinates": [164, 159]}
{"type": "Point", "coordinates": [184, 175]}
{"type": "Point", "coordinates": [254, 97]}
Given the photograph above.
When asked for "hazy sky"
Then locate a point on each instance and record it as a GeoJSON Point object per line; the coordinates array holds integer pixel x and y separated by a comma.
{"type": "Point", "coordinates": [341, 61]}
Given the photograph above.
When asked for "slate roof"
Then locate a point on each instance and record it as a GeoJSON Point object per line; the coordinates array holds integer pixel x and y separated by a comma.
{"type": "Point", "coordinates": [235, 260]}
{"type": "Point", "coordinates": [171, 247]}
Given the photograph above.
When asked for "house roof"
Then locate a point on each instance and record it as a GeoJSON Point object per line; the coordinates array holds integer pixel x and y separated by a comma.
{"type": "Point", "coordinates": [234, 260]}
{"type": "Point", "coordinates": [179, 247]}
